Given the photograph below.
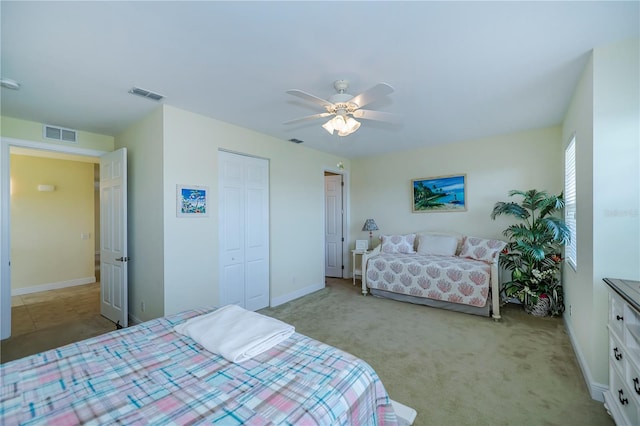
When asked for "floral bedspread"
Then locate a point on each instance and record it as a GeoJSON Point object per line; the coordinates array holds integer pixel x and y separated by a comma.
{"type": "Point", "coordinates": [448, 278]}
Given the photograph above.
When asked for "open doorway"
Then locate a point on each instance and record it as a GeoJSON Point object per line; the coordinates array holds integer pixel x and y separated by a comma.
{"type": "Point", "coordinates": [15, 145]}
{"type": "Point", "coordinates": [54, 205]}
{"type": "Point", "coordinates": [334, 225]}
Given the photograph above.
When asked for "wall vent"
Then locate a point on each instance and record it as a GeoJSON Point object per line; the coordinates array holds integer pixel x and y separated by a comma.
{"type": "Point", "coordinates": [59, 133]}
{"type": "Point", "coordinates": [146, 94]}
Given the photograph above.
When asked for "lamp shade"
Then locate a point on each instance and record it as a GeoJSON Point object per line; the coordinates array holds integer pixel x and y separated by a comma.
{"type": "Point", "coordinates": [370, 225]}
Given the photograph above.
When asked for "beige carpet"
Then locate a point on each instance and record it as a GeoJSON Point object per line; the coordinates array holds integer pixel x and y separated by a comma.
{"type": "Point", "coordinates": [453, 368]}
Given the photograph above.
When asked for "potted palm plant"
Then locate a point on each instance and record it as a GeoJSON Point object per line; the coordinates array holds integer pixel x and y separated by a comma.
{"type": "Point", "coordinates": [533, 253]}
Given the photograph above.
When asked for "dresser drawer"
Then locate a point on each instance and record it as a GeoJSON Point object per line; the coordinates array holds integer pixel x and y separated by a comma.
{"type": "Point", "coordinates": [622, 398]}
{"type": "Point", "coordinates": [632, 380]}
{"type": "Point", "coordinates": [616, 314]}
{"type": "Point", "coordinates": [617, 355]}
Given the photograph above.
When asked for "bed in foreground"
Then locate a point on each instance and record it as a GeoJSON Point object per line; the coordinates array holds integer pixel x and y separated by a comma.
{"type": "Point", "coordinates": [150, 374]}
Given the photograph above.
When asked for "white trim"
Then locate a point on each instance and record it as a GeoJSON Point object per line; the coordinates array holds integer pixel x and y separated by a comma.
{"type": "Point", "coordinates": [277, 301]}
{"type": "Point", "coordinates": [133, 320]}
{"type": "Point", "coordinates": [52, 286]}
{"type": "Point", "coordinates": [596, 390]}
{"type": "Point", "coordinates": [5, 259]}
{"type": "Point", "coordinates": [47, 146]}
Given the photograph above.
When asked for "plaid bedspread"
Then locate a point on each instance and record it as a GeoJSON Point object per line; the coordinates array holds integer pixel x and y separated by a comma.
{"type": "Point", "coordinates": [149, 374]}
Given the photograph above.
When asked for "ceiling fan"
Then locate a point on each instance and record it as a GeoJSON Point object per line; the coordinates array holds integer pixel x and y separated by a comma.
{"type": "Point", "coordinates": [344, 107]}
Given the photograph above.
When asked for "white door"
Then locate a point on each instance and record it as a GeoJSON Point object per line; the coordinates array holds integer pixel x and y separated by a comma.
{"type": "Point", "coordinates": [244, 230]}
{"type": "Point", "coordinates": [333, 226]}
{"type": "Point", "coordinates": [113, 237]}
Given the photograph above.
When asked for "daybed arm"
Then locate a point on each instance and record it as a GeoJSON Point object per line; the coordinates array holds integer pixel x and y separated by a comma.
{"type": "Point", "coordinates": [495, 288]}
{"type": "Point", "coordinates": [365, 258]}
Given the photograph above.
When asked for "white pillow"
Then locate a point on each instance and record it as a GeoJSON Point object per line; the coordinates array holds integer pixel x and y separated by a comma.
{"type": "Point", "coordinates": [442, 245]}
{"type": "Point", "coordinates": [482, 248]}
{"type": "Point", "coordinates": [398, 243]}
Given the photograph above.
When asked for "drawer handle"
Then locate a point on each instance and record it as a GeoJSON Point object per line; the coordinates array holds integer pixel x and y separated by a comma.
{"type": "Point", "coordinates": [623, 401]}
{"type": "Point", "coordinates": [617, 353]}
{"type": "Point", "coordinates": [636, 385]}
{"type": "Point", "coordinates": [619, 318]}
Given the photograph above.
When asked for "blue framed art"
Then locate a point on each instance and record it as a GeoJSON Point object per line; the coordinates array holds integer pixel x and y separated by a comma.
{"type": "Point", "coordinates": [192, 201]}
{"type": "Point", "coordinates": [439, 194]}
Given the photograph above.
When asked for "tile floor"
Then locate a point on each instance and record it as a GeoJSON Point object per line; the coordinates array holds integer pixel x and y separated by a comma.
{"type": "Point", "coordinates": [37, 311]}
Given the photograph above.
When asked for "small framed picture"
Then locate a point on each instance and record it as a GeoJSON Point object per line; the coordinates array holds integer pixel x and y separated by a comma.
{"type": "Point", "coordinates": [362, 245]}
{"type": "Point", "coordinates": [192, 201]}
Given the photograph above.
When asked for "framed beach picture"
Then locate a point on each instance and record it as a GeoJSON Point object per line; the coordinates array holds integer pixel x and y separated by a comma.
{"type": "Point", "coordinates": [439, 194]}
{"type": "Point", "coordinates": [192, 201]}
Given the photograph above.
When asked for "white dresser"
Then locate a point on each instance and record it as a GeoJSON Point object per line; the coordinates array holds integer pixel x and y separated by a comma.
{"type": "Point", "coordinates": [622, 400]}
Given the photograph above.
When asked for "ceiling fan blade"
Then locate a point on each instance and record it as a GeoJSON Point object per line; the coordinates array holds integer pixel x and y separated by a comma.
{"type": "Point", "coordinates": [309, 117]}
{"type": "Point", "coordinates": [368, 114]}
{"type": "Point", "coordinates": [309, 97]}
{"type": "Point", "coordinates": [370, 95]}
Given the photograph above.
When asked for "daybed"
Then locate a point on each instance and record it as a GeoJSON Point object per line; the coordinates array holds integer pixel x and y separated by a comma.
{"type": "Point", "coordinates": [152, 374]}
{"type": "Point", "coordinates": [445, 270]}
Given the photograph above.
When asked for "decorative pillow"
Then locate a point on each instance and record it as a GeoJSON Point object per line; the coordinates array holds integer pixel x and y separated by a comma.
{"type": "Point", "coordinates": [442, 245]}
{"type": "Point", "coordinates": [398, 243]}
{"type": "Point", "coordinates": [482, 248]}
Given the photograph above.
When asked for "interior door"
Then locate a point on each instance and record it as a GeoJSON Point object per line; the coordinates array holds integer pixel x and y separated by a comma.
{"type": "Point", "coordinates": [113, 237]}
{"type": "Point", "coordinates": [244, 230]}
{"type": "Point", "coordinates": [333, 226]}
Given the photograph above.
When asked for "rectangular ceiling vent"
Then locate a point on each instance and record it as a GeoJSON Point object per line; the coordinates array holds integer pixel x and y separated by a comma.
{"type": "Point", "coordinates": [60, 133]}
{"type": "Point", "coordinates": [146, 94]}
{"type": "Point", "coordinates": [294, 140]}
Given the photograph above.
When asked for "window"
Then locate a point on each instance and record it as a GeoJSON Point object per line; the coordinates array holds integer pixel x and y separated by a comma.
{"type": "Point", "coordinates": [570, 250]}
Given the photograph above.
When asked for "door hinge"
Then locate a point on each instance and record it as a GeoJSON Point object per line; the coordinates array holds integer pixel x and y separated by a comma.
{"type": "Point", "coordinates": [343, 267]}
{"type": "Point", "coordinates": [342, 239]}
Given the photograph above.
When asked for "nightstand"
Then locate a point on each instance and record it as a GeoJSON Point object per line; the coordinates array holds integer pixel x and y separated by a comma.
{"type": "Point", "coordinates": [356, 268]}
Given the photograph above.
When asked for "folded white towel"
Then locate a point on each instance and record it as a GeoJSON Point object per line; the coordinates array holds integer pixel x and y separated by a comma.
{"type": "Point", "coordinates": [235, 333]}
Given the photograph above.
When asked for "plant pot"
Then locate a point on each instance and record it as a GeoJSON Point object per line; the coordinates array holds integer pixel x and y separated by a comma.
{"type": "Point", "coordinates": [539, 309]}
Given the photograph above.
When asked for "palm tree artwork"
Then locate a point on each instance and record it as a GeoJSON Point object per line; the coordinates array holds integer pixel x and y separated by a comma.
{"type": "Point", "coordinates": [445, 193]}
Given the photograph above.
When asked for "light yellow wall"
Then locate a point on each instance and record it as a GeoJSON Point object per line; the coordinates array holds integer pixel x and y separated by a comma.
{"type": "Point", "coordinates": [381, 186]}
{"type": "Point", "coordinates": [577, 285]}
{"type": "Point", "coordinates": [604, 114]}
{"type": "Point", "coordinates": [144, 143]}
{"type": "Point", "coordinates": [32, 131]}
{"type": "Point", "coordinates": [191, 144]}
{"type": "Point", "coordinates": [175, 260]}
{"type": "Point", "coordinates": [46, 247]}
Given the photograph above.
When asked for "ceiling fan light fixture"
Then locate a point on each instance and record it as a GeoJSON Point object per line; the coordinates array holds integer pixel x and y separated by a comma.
{"type": "Point", "coordinates": [328, 126]}
{"type": "Point", "coordinates": [339, 122]}
{"type": "Point", "coordinates": [351, 126]}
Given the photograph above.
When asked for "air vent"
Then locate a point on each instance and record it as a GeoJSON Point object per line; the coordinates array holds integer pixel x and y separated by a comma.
{"type": "Point", "coordinates": [60, 133]}
{"type": "Point", "coordinates": [146, 94]}
{"type": "Point", "coordinates": [294, 140]}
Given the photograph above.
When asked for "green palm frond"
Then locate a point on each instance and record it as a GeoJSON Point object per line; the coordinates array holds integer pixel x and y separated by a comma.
{"type": "Point", "coordinates": [509, 209]}
{"type": "Point", "coordinates": [558, 229]}
{"type": "Point", "coordinates": [551, 205]}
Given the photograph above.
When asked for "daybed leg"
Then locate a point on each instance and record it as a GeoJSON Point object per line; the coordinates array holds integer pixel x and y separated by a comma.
{"type": "Point", "coordinates": [495, 291]}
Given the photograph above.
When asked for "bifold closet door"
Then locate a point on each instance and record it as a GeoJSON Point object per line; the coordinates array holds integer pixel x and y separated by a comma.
{"type": "Point", "coordinates": [244, 230]}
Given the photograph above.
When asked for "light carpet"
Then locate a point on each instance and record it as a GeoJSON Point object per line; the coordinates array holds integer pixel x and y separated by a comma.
{"type": "Point", "coordinates": [453, 368]}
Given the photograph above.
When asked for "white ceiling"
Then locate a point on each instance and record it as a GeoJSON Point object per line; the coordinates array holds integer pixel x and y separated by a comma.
{"type": "Point", "coordinates": [461, 70]}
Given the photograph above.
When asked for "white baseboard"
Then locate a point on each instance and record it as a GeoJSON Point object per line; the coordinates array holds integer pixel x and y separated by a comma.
{"type": "Point", "coordinates": [276, 301]}
{"type": "Point", "coordinates": [52, 286]}
{"type": "Point", "coordinates": [133, 320]}
{"type": "Point", "coordinates": [596, 390]}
